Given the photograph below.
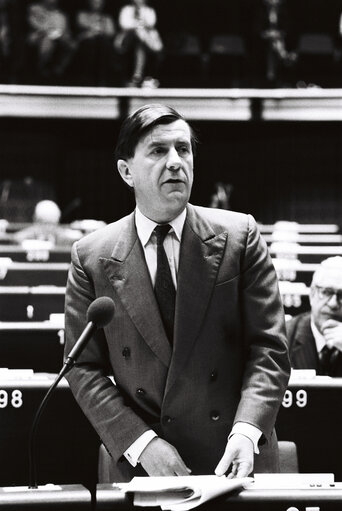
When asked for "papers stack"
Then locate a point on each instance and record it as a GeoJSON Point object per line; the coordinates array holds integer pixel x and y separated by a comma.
{"type": "Point", "coordinates": [180, 493]}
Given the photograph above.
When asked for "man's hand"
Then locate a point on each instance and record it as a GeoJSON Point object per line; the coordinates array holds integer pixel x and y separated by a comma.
{"type": "Point", "coordinates": [332, 332]}
{"type": "Point", "coordinates": [159, 458]}
{"type": "Point", "coordinates": [239, 454]}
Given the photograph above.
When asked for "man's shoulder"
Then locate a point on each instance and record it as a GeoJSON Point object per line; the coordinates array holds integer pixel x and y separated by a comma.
{"type": "Point", "coordinates": [220, 216]}
{"type": "Point", "coordinates": [102, 240]}
{"type": "Point", "coordinates": [222, 220]}
{"type": "Point", "coordinates": [299, 321]}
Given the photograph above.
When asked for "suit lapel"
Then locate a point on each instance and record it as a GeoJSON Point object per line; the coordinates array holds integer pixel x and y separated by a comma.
{"type": "Point", "coordinates": [200, 257]}
{"type": "Point", "coordinates": [304, 351]}
{"type": "Point", "coordinates": [128, 273]}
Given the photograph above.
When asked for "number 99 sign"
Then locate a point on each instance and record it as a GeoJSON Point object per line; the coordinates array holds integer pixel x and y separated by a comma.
{"type": "Point", "coordinates": [300, 398]}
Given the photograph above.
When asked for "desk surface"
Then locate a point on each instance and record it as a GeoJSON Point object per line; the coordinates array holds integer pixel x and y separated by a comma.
{"type": "Point", "coordinates": [110, 498]}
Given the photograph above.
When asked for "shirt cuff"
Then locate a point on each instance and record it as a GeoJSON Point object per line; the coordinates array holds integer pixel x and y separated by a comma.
{"type": "Point", "coordinates": [132, 454]}
{"type": "Point", "coordinates": [248, 430]}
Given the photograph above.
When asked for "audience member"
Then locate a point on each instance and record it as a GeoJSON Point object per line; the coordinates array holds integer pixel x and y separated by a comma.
{"type": "Point", "coordinates": [46, 226]}
{"type": "Point", "coordinates": [49, 38]}
{"type": "Point", "coordinates": [315, 337]}
{"type": "Point", "coordinates": [206, 328]}
{"type": "Point", "coordinates": [96, 60]}
{"type": "Point", "coordinates": [5, 41]}
{"type": "Point", "coordinates": [139, 42]}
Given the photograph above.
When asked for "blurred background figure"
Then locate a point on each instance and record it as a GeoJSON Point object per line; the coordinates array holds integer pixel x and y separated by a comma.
{"type": "Point", "coordinates": [139, 42]}
{"type": "Point", "coordinates": [5, 41]}
{"type": "Point", "coordinates": [46, 226]}
{"type": "Point", "coordinates": [49, 41]}
{"type": "Point", "coordinates": [96, 61]}
{"type": "Point", "coordinates": [274, 32]}
{"type": "Point", "coordinates": [18, 197]}
{"type": "Point", "coordinates": [221, 196]}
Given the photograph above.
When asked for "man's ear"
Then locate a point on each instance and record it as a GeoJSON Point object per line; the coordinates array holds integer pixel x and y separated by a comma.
{"type": "Point", "coordinates": [125, 172]}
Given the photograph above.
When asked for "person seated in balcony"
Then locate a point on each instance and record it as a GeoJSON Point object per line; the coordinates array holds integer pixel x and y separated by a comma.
{"type": "Point", "coordinates": [46, 226]}
{"type": "Point", "coordinates": [50, 40]}
{"type": "Point", "coordinates": [139, 42]}
{"type": "Point", "coordinates": [96, 56]}
{"type": "Point", "coordinates": [315, 337]}
{"type": "Point", "coordinates": [5, 41]}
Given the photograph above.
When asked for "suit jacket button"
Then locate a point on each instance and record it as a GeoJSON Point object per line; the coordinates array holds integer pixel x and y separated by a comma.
{"type": "Point", "coordinates": [166, 419]}
{"type": "Point", "coordinates": [126, 352]}
{"type": "Point", "coordinates": [141, 392]}
{"type": "Point", "coordinates": [213, 375]}
{"type": "Point", "coordinates": [214, 415]}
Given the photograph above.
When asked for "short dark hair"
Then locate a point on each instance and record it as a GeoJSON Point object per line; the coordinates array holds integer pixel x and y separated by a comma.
{"type": "Point", "coordinates": [140, 122]}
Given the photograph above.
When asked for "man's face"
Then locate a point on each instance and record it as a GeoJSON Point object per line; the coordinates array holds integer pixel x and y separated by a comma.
{"type": "Point", "coordinates": [325, 304]}
{"type": "Point", "coordinates": [161, 171]}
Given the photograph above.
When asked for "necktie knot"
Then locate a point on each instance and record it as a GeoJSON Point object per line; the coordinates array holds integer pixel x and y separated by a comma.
{"type": "Point", "coordinates": [161, 232]}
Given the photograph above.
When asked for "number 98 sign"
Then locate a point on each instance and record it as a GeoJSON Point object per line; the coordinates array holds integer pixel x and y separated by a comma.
{"type": "Point", "coordinates": [14, 399]}
{"type": "Point", "coordinates": [299, 398]}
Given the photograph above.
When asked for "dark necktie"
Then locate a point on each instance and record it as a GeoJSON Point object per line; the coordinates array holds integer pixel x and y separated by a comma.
{"type": "Point", "coordinates": [164, 289]}
{"type": "Point", "coordinates": [327, 359]}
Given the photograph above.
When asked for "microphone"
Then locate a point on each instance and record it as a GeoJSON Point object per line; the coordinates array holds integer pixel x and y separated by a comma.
{"type": "Point", "coordinates": [99, 314]}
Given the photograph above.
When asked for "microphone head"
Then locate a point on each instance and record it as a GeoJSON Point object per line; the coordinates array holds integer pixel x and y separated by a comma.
{"type": "Point", "coordinates": [101, 311]}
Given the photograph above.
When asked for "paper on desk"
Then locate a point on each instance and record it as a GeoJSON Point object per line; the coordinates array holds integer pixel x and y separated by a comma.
{"type": "Point", "coordinates": [180, 493]}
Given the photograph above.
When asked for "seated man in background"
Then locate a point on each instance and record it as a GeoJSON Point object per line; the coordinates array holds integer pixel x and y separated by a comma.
{"type": "Point", "coordinates": [96, 57]}
{"type": "Point", "coordinates": [46, 226]}
{"type": "Point", "coordinates": [139, 41]}
{"type": "Point", "coordinates": [315, 337]}
{"type": "Point", "coordinates": [50, 38]}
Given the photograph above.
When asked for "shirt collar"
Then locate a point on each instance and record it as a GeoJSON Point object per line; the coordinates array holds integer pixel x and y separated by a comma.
{"type": "Point", "coordinates": [319, 339]}
{"type": "Point", "coordinates": [145, 226]}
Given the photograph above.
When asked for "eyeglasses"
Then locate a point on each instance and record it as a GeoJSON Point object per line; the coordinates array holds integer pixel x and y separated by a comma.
{"type": "Point", "coordinates": [326, 293]}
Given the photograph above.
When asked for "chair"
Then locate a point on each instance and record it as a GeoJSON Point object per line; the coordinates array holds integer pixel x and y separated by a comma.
{"type": "Point", "coordinates": [103, 467]}
{"type": "Point", "coordinates": [288, 457]}
{"type": "Point", "coordinates": [182, 64]}
{"type": "Point", "coordinates": [315, 58]}
{"type": "Point", "coordinates": [226, 59]}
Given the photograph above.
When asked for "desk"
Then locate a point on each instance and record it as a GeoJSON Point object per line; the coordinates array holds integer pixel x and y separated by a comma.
{"type": "Point", "coordinates": [305, 254]}
{"type": "Point", "coordinates": [24, 303]}
{"type": "Point", "coordinates": [311, 416]}
{"type": "Point", "coordinates": [32, 345]}
{"type": "Point", "coordinates": [67, 446]}
{"type": "Point", "coordinates": [54, 255]}
{"type": "Point", "coordinates": [55, 498]}
{"type": "Point", "coordinates": [34, 274]}
{"type": "Point", "coordinates": [315, 499]}
{"type": "Point", "coordinates": [303, 239]}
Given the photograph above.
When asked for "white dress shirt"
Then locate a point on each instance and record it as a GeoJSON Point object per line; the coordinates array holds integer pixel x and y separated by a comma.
{"type": "Point", "coordinates": [319, 338]}
{"type": "Point", "coordinates": [145, 228]}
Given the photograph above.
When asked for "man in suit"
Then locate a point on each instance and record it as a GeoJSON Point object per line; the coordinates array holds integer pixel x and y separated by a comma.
{"type": "Point", "coordinates": [315, 337]}
{"type": "Point", "coordinates": [220, 367]}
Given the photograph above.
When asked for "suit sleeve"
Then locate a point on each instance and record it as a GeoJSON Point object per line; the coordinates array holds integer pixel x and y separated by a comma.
{"type": "Point", "coordinates": [267, 366]}
{"type": "Point", "coordinates": [101, 401]}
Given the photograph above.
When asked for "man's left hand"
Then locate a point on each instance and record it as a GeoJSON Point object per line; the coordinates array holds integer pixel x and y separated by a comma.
{"type": "Point", "coordinates": [332, 332]}
{"type": "Point", "coordinates": [239, 454]}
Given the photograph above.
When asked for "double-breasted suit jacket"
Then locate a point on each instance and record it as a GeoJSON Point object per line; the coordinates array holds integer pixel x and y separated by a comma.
{"type": "Point", "coordinates": [229, 360]}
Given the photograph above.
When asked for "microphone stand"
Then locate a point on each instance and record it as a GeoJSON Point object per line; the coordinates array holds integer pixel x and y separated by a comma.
{"type": "Point", "coordinates": [33, 433]}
